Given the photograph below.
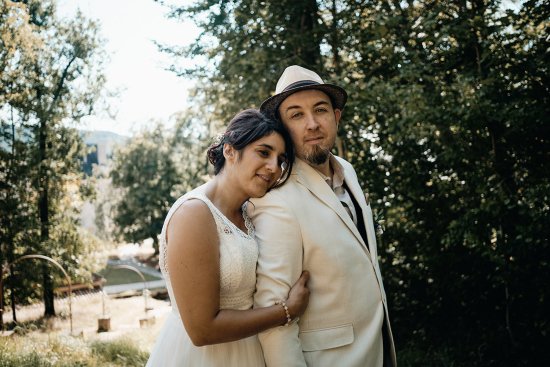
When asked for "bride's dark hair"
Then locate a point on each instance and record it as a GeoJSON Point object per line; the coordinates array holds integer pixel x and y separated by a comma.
{"type": "Point", "coordinates": [245, 128]}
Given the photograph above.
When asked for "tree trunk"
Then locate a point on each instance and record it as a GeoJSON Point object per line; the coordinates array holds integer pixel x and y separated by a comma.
{"type": "Point", "coordinates": [1, 294]}
{"type": "Point", "coordinates": [43, 207]}
{"type": "Point", "coordinates": [336, 65]}
{"type": "Point", "coordinates": [334, 40]}
{"type": "Point", "coordinates": [49, 308]}
{"type": "Point", "coordinates": [8, 256]}
{"type": "Point", "coordinates": [308, 50]}
{"type": "Point", "coordinates": [156, 244]}
{"type": "Point", "coordinates": [12, 299]}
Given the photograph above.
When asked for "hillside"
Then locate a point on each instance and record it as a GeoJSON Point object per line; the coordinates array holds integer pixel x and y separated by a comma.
{"type": "Point", "coordinates": [102, 137]}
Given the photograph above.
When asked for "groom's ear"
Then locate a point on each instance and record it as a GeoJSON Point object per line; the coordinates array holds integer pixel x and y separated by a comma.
{"type": "Point", "coordinates": [337, 116]}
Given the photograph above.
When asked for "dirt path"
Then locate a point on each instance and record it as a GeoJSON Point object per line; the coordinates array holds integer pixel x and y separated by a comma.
{"type": "Point", "coordinates": [125, 314]}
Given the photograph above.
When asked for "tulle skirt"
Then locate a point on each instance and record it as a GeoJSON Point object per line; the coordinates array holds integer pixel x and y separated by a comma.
{"type": "Point", "coordinates": [174, 348]}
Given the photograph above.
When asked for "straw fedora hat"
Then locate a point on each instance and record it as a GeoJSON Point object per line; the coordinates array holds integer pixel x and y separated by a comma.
{"type": "Point", "coordinates": [296, 78]}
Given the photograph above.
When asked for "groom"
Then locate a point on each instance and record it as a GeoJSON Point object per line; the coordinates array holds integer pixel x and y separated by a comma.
{"type": "Point", "coordinates": [319, 221]}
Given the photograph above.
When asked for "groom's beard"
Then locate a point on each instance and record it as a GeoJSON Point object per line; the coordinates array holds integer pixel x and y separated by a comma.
{"type": "Point", "coordinates": [317, 155]}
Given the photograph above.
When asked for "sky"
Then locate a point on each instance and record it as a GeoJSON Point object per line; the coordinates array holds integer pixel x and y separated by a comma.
{"type": "Point", "coordinates": [136, 68]}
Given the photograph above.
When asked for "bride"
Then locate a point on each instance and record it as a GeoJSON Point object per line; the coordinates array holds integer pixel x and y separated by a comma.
{"type": "Point", "coordinates": [208, 254]}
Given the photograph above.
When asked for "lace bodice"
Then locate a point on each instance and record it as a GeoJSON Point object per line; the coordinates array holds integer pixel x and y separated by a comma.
{"type": "Point", "coordinates": [238, 256]}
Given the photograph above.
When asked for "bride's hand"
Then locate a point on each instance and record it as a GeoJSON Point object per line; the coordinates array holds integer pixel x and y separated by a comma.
{"type": "Point", "coordinates": [298, 297]}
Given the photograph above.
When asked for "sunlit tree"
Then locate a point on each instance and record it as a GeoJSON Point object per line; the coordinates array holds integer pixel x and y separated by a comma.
{"type": "Point", "coordinates": [151, 172]}
{"type": "Point", "coordinates": [50, 78]}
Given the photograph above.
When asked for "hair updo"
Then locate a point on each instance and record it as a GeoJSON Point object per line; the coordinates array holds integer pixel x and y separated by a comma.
{"type": "Point", "coordinates": [245, 128]}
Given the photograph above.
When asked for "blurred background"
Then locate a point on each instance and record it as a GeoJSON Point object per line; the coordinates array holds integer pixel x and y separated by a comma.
{"type": "Point", "coordinates": [107, 108]}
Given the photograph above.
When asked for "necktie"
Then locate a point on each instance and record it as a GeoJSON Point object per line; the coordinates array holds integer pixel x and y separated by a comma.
{"type": "Point", "coordinates": [348, 210]}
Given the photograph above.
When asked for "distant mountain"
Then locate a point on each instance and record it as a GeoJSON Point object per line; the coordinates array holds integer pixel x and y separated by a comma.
{"type": "Point", "coordinates": [104, 137]}
{"type": "Point", "coordinates": [104, 143]}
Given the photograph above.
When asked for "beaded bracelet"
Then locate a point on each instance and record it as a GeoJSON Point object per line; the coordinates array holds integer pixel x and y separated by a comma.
{"type": "Point", "coordinates": [285, 307]}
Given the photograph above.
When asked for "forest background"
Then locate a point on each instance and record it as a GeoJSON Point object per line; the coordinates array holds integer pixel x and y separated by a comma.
{"type": "Point", "coordinates": [446, 125]}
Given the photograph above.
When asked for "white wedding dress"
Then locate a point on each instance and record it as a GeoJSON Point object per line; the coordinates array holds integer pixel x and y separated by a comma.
{"type": "Point", "coordinates": [238, 257]}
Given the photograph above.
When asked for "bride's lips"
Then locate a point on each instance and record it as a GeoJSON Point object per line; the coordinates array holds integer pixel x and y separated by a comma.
{"type": "Point", "coordinates": [266, 178]}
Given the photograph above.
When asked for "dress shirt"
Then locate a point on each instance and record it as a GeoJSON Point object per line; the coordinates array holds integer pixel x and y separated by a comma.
{"type": "Point", "coordinates": [336, 183]}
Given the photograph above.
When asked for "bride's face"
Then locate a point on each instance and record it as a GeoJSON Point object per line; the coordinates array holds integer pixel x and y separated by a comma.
{"type": "Point", "coordinates": [258, 166]}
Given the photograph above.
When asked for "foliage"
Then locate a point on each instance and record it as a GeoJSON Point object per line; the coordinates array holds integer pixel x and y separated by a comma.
{"type": "Point", "coordinates": [447, 127]}
{"type": "Point", "coordinates": [69, 351]}
{"type": "Point", "coordinates": [152, 171]}
{"type": "Point", "coordinates": [123, 351]}
{"type": "Point", "coordinates": [241, 39]}
{"type": "Point", "coordinates": [104, 201]}
{"type": "Point", "coordinates": [458, 153]}
{"type": "Point", "coordinates": [50, 78]}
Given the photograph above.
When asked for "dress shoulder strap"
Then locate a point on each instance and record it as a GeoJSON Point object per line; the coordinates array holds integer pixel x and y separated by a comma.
{"type": "Point", "coordinates": [223, 224]}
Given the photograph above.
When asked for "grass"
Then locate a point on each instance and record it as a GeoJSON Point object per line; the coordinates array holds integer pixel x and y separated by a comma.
{"type": "Point", "coordinates": [65, 351]}
{"type": "Point", "coordinates": [411, 357]}
{"type": "Point", "coordinates": [120, 351]}
{"type": "Point", "coordinates": [38, 342]}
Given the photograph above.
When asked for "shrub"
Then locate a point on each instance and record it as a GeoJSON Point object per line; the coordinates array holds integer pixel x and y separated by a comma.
{"type": "Point", "coordinates": [122, 351]}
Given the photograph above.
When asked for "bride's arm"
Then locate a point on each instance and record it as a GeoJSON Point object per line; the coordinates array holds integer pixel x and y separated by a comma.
{"type": "Point", "coordinates": [193, 265]}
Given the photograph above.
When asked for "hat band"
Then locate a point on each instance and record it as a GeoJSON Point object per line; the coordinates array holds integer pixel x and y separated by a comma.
{"type": "Point", "coordinates": [301, 83]}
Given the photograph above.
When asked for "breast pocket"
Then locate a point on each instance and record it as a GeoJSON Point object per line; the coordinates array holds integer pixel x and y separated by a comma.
{"type": "Point", "coordinates": [327, 338]}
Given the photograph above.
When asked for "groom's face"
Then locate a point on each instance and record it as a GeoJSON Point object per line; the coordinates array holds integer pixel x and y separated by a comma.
{"type": "Point", "coordinates": [312, 123]}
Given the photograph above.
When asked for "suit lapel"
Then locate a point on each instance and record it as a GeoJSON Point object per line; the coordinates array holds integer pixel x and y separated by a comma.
{"type": "Point", "coordinates": [310, 178]}
{"type": "Point", "coordinates": [358, 213]}
{"type": "Point", "coordinates": [357, 193]}
{"type": "Point", "coordinates": [313, 181]}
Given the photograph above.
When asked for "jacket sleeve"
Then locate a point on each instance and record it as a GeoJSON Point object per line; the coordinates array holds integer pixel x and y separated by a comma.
{"type": "Point", "coordinates": [279, 266]}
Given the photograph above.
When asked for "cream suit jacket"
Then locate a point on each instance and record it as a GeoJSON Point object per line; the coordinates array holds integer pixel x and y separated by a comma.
{"type": "Point", "coordinates": [303, 226]}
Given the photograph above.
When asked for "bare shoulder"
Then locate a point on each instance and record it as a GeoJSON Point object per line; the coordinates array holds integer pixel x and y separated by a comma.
{"type": "Point", "coordinates": [192, 223]}
{"type": "Point", "coordinates": [192, 210]}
